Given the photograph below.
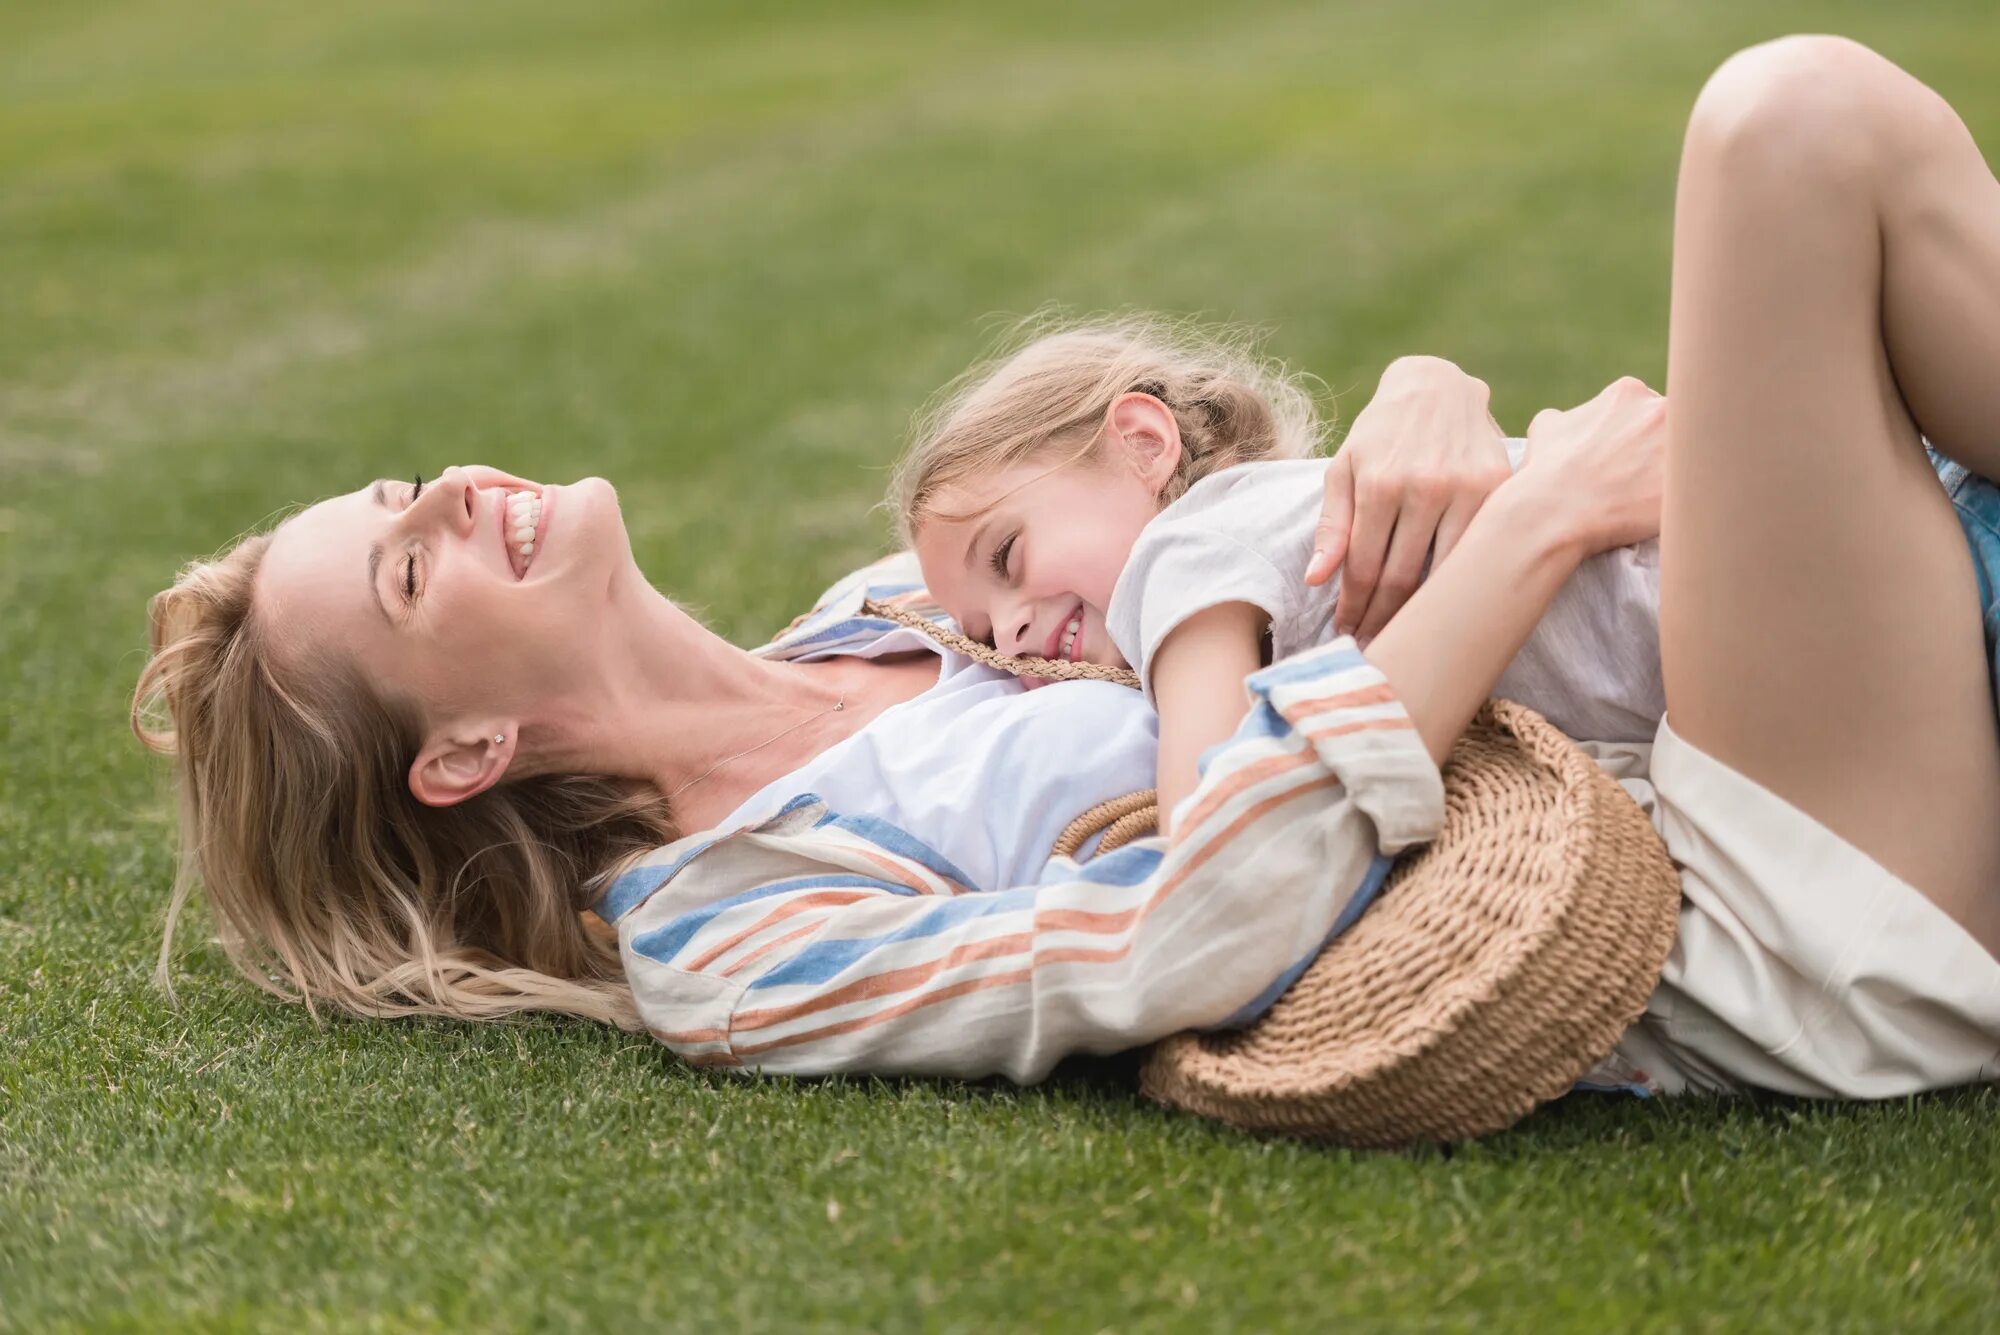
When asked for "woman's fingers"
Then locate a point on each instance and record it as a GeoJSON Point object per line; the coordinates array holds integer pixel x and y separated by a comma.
{"type": "Point", "coordinates": [1463, 503]}
{"type": "Point", "coordinates": [1336, 517]}
{"type": "Point", "coordinates": [1628, 393]}
{"type": "Point", "coordinates": [1403, 570]}
{"type": "Point", "coordinates": [1376, 507]}
{"type": "Point", "coordinates": [1426, 444]}
{"type": "Point", "coordinates": [1453, 525]}
{"type": "Point", "coordinates": [1604, 461]}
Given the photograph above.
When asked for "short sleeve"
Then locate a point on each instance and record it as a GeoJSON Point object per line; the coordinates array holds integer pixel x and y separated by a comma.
{"type": "Point", "coordinates": [1179, 568]}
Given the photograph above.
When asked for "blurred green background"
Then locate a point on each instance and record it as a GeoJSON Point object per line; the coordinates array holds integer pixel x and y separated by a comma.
{"type": "Point", "coordinates": [251, 254]}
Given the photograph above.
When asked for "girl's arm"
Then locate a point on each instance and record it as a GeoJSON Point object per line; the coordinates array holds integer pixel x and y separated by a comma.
{"type": "Point", "coordinates": [1441, 655]}
{"type": "Point", "coordinates": [1197, 678]}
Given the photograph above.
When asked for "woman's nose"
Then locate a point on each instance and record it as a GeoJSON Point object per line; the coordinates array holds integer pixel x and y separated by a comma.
{"type": "Point", "coordinates": [452, 501]}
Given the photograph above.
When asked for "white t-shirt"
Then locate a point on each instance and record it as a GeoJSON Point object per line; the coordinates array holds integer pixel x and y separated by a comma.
{"type": "Point", "coordinates": [984, 773]}
{"type": "Point", "coordinates": [1591, 666]}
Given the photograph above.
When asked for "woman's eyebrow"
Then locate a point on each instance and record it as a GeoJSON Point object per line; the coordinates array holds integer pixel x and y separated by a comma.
{"type": "Point", "coordinates": [374, 579]}
{"type": "Point", "coordinates": [375, 557]}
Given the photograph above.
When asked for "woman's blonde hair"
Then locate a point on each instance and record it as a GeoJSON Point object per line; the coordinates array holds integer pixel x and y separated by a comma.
{"type": "Point", "coordinates": [1049, 384]}
{"type": "Point", "coordinates": [327, 880]}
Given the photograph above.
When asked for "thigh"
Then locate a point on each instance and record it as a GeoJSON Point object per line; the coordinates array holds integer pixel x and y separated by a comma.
{"type": "Point", "coordinates": [1820, 628]}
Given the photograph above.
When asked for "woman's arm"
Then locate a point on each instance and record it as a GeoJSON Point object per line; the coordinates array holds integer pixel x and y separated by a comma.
{"type": "Point", "coordinates": [1592, 482]}
{"type": "Point", "coordinates": [816, 944]}
{"type": "Point", "coordinates": [1484, 607]}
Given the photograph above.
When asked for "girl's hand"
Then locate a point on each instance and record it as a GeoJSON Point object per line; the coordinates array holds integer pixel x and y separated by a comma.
{"type": "Point", "coordinates": [1600, 468]}
{"type": "Point", "coordinates": [1420, 460]}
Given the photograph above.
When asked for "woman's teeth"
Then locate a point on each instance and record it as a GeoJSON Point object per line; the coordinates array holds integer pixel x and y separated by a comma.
{"type": "Point", "coordinates": [1070, 632]}
{"type": "Point", "coordinates": [524, 512]}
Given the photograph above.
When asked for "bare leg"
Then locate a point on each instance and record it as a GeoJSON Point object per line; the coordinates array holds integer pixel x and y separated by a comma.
{"type": "Point", "coordinates": [1836, 249]}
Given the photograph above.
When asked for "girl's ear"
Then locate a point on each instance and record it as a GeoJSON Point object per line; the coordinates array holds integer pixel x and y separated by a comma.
{"type": "Point", "coordinates": [453, 767]}
{"type": "Point", "coordinates": [1143, 432]}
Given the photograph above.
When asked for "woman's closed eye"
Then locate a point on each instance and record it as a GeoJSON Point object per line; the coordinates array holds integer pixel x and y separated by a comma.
{"type": "Point", "coordinates": [410, 561]}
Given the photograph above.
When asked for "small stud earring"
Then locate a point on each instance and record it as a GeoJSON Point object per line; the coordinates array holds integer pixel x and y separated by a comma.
{"type": "Point", "coordinates": [499, 737]}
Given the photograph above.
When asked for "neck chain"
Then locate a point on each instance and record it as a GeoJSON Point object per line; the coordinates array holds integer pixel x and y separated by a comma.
{"type": "Point", "coordinates": [835, 707]}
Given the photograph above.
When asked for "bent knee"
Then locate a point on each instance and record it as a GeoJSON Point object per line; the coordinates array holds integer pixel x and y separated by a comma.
{"type": "Point", "coordinates": [1815, 108]}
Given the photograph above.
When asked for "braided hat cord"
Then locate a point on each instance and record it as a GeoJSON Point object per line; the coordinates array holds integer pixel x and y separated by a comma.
{"type": "Point", "coordinates": [1025, 665]}
{"type": "Point", "coordinates": [1122, 818]}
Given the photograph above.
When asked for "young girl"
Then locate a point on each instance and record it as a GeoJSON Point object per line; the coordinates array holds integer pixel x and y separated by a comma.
{"type": "Point", "coordinates": [1144, 494]}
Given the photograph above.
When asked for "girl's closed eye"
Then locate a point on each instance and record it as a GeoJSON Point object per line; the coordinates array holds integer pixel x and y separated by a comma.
{"type": "Point", "coordinates": [1002, 554]}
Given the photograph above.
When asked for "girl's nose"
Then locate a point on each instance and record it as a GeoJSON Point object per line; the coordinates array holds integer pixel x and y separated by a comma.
{"type": "Point", "coordinates": [1016, 641]}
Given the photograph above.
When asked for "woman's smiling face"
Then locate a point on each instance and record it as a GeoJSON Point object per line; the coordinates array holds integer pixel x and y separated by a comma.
{"type": "Point", "coordinates": [430, 597]}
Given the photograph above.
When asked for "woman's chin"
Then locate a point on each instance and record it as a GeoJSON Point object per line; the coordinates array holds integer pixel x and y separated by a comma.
{"type": "Point", "coordinates": [588, 532]}
{"type": "Point", "coordinates": [607, 554]}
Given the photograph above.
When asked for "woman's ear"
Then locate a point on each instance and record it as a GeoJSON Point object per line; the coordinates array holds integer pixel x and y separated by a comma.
{"type": "Point", "coordinates": [461, 764]}
{"type": "Point", "coordinates": [1142, 431]}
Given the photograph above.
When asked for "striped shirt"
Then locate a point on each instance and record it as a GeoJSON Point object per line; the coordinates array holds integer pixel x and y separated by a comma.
{"type": "Point", "coordinates": [928, 764]}
{"type": "Point", "coordinates": [816, 941]}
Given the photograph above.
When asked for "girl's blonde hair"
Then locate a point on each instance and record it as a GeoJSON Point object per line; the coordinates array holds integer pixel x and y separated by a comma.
{"type": "Point", "coordinates": [327, 880]}
{"type": "Point", "coordinates": [1048, 386]}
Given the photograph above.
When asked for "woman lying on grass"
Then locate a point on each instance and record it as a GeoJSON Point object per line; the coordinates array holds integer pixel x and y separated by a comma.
{"type": "Point", "coordinates": [431, 738]}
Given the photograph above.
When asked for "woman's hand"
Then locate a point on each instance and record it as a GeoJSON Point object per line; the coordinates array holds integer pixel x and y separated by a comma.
{"type": "Point", "coordinates": [1420, 460]}
{"type": "Point", "coordinates": [1592, 480]}
{"type": "Point", "coordinates": [1600, 468]}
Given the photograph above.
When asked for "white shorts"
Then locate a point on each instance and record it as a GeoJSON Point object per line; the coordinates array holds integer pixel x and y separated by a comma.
{"type": "Point", "coordinates": [1802, 965]}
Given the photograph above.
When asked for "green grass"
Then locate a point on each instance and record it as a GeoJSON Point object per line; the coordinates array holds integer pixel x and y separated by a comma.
{"type": "Point", "coordinates": [255, 253]}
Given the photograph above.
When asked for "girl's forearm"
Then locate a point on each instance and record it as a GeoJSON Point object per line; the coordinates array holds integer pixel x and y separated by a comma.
{"type": "Point", "coordinates": [1449, 644]}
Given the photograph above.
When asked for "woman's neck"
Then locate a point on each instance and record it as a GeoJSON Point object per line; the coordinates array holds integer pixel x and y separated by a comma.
{"type": "Point", "coordinates": [708, 723]}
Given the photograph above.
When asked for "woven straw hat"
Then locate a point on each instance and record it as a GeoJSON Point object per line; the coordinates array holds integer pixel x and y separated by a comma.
{"type": "Point", "coordinates": [1497, 966]}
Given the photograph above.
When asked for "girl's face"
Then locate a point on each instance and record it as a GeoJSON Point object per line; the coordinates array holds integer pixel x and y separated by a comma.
{"type": "Point", "coordinates": [430, 597]}
{"type": "Point", "coordinates": [1031, 570]}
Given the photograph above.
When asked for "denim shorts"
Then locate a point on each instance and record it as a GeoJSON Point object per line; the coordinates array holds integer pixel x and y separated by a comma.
{"type": "Point", "coordinates": [1978, 504]}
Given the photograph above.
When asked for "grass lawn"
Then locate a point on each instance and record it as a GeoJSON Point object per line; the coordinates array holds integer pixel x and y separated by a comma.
{"type": "Point", "coordinates": [255, 253]}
